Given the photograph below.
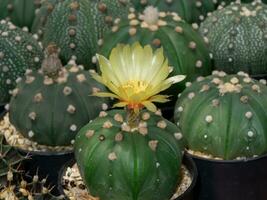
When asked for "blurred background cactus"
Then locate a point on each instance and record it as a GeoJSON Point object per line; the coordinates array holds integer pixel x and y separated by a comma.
{"type": "Point", "coordinates": [237, 38]}
{"type": "Point", "coordinates": [76, 25]}
{"type": "Point", "coordinates": [18, 51]}
{"type": "Point", "coordinates": [19, 12]}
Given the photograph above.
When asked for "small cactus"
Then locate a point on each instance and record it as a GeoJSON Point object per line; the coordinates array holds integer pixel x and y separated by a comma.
{"type": "Point", "coordinates": [50, 105]}
{"type": "Point", "coordinates": [19, 12]}
{"type": "Point", "coordinates": [31, 188]}
{"type": "Point", "coordinates": [133, 154]}
{"type": "Point", "coordinates": [10, 160]}
{"type": "Point", "coordinates": [224, 116]}
{"type": "Point", "coordinates": [18, 51]}
{"type": "Point", "coordinates": [183, 46]}
{"type": "Point", "coordinates": [192, 11]}
{"type": "Point", "coordinates": [237, 38]}
{"type": "Point", "coordinates": [76, 25]}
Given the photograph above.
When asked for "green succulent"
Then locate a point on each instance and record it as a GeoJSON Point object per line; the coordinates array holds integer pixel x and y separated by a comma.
{"type": "Point", "coordinates": [237, 38]}
{"type": "Point", "coordinates": [18, 51]}
{"type": "Point", "coordinates": [224, 116]}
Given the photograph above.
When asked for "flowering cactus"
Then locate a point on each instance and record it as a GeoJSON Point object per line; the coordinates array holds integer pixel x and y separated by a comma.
{"type": "Point", "coordinates": [133, 154]}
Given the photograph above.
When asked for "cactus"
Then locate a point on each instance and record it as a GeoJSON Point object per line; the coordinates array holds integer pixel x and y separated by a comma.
{"type": "Point", "coordinates": [10, 160]}
{"type": "Point", "coordinates": [237, 38]}
{"type": "Point", "coordinates": [224, 116]}
{"type": "Point", "coordinates": [19, 12]}
{"type": "Point", "coordinates": [12, 183]}
{"type": "Point", "coordinates": [118, 163]}
{"type": "Point", "coordinates": [192, 11]}
{"type": "Point", "coordinates": [49, 106]}
{"type": "Point", "coordinates": [29, 189]}
{"type": "Point", "coordinates": [76, 25]}
{"type": "Point", "coordinates": [184, 47]}
{"type": "Point", "coordinates": [41, 16]}
{"type": "Point", "coordinates": [18, 51]}
{"type": "Point", "coordinates": [131, 154]}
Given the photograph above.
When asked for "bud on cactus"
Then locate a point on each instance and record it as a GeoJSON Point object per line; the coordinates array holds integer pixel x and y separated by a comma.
{"type": "Point", "coordinates": [184, 47]}
{"type": "Point", "coordinates": [224, 116]}
{"type": "Point", "coordinates": [237, 38]}
{"type": "Point", "coordinates": [51, 105]}
{"type": "Point", "coordinates": [76, 25]}
{"type": "Point", "coordinates": [18, 51]}
{"type": "Point", "coordinates": [19, 12]}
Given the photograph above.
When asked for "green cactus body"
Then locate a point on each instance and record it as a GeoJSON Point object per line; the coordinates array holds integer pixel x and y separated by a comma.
{"type": "Point", "coordinates": [19, 12]}
{"type": "Point", "coordinates": [185, 49]}
{"type": "Point", "coordinates": [118, 162]}
{"type": "Point", "coordinates": [190, 10]}
{"type": "Point", "coordinates": [41, 16]}
{"type": "Point", "coordinates": [237, 38]}
{"type": "Point", "coordinates": [18, 51]}
{"type": "Point", "coordinates": [224, 116]}
{"type": "Point", "coordinates": [76, 25]}
{"type": "Point", "coordinates": [50, 107]}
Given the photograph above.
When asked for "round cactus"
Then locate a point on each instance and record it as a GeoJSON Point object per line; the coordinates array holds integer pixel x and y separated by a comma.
{"type": "Point", "coordinates": [18, 51]}
{"type": "Point", "coordinates": [184, 48]}
{"type": "Point", "coordinates": [190, 10]}
{"type": "Point", "coordinates": [76, 25]}
{"type": "Point", "coordinates": [224, 116]}
{"type": "Point", "coordinates": [51, 105]}
{"type": "Point", "coordinates": [19, 12]}
{"type": "Point", "coordinates": [237, 38]}
{"type": "Point", "coordinates": [118, 162]}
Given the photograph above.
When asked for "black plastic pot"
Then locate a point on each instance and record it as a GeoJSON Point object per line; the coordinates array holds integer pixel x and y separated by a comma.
{"type": "Point", "coordinates": [47, 164]}
{"type": "Point", "coordinates": [2, 111]}
{"type": "Point", "coordinates": [187, 161]}
{"type": "Point", "coordinates": [231, 180]}
{"type": "Point", "coordinates": [259, 77]}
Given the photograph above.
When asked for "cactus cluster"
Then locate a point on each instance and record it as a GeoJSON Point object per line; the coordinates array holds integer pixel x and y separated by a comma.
{"type": "Point", "coordinates": [183, 46]}
{"type": "Point", "coordinates": [18, 52]}
{"type": "Point", "coordinates": [118, 162]}
{"type": "Point", "coordinates": [192, 11]}
{"type": "Point", "coordinates": [19, 12]}
{"type": "Point", "coordinates": [57, 102]}
{"type": "Point", "coordinates": [237, 38]}
{"type": "Point", "coordinates": [224, 116]}
{"type": "Point", "coordinates": [76, 25]}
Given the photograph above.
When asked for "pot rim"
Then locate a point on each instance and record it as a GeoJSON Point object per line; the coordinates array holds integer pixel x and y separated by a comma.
{"type": "Point", "coordinates": [187, 161]}
{"type": "Point", "coordinates": [247, 160]}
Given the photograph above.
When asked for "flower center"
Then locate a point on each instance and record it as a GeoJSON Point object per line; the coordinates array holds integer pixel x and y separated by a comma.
{"type": "Point", "coordinates": [136, 86]}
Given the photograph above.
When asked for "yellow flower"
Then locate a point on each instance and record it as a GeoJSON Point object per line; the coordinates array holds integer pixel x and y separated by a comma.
{"type": "Point", "coordinates": [135, 75]}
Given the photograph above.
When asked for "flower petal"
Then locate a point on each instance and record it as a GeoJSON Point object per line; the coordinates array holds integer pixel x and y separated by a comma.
{"type": "Point", "coordinates": [150, 106]}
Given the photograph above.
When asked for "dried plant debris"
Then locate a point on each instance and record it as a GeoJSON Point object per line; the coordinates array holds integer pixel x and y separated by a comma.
{"type": "Point", "coordinates": [75, 189]}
